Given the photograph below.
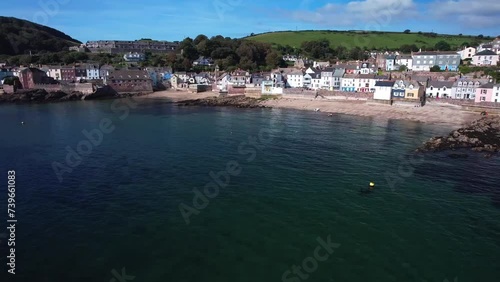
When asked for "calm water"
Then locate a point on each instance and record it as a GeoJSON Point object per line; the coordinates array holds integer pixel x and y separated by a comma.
{"type": "Point", "coordinates": [119, 208]}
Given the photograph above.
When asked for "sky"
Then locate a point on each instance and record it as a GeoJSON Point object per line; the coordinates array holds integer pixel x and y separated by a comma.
{"type": "Point", "coordinates": [175, 20]}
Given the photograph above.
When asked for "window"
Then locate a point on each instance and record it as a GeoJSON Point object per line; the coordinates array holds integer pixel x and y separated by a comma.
{"type": "Point", "coordinates": [483, 99]}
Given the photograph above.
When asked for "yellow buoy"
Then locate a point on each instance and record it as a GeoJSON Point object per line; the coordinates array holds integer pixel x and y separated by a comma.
{"type": "Point", "coordinates": [372, 184]}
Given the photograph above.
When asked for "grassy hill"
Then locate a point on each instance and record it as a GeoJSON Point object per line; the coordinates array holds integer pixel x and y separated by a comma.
{"type": "Point", "coordinates": [371, 40]}
{"type": "Point", "coordinates": [20, 37]}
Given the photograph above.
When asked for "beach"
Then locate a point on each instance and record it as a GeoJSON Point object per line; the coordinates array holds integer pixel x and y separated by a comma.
{"type": "Point", "coordinates": [431, 113]}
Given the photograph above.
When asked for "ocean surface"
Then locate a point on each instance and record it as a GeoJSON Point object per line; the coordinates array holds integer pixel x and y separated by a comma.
{"type": "Point", "coordinates": [167, 193]}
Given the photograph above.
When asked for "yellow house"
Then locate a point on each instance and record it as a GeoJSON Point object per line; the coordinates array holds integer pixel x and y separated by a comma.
{"type": "Point", "coordinates": [414, 90]}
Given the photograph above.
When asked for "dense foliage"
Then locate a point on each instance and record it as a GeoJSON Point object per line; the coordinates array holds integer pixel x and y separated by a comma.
{"type": "Point", "coordinates": [20, 37]}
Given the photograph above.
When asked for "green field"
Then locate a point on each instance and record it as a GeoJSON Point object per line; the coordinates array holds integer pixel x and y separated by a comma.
{"type": "Point", "coordinates": [370, 40]}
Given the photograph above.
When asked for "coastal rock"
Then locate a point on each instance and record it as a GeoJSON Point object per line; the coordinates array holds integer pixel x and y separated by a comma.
{"type": "Point", "coordinates": [482, 135]}
{"type": "Point", "coordinates": [42, 96]}
{"type": "Point", "coordinates": [239, 102]}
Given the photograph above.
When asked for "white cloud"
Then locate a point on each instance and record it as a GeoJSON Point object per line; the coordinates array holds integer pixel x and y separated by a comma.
{"type": "Point", "coordinates": [473, 14]}
{"type": "Point", "coordinates": [366, 14]}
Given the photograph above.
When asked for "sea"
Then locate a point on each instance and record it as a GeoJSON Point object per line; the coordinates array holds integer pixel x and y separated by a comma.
{"type": "Point", "coordinates": [145, 190]}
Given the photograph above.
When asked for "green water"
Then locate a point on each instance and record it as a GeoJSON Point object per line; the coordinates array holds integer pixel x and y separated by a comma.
{"type": "Point", "coordinates": [120, 207]}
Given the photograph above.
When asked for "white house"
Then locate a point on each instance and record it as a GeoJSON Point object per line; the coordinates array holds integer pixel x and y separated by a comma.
{"type": "Point", "coordinates": [466, 88]}
{"type": "Point", "coordinates": [316, 81]}
{"type": "Point", "coordinates": [295, 79]}
{"type": "Point", "coordinates": [383, 90]}
{"type": "Point", "coordinates": [307, 80]}
{"type": "Point", "coordinates": [365, 82]}
{"type": "Point", "coordinates": [366, 68]}
{"type": "Point", "coordinates": [321, 64]}
{"type": "Point", "coordinates": [327, 78]}
{"type": "Point", "coordinates": [439, 89]}
{"type": "Point", "coordinates": [467, 53]}
{"type": "Point", "coordinates": [496, 93]}
{"type": "Point", "coordinates": [310, 71]}
{"type": "Point", "coordinates": [405, 60]}
{"type": "Point", "coordinates": [268, 88]}
{"type": "Point", "coordinates": [347, 83]}
{"type": "Point", "coordinates": [485, 58]}
{"type": "Point", "coordinates": [54, 72]}
{"type": "Point", "coordinates": [390, 62]}
{"type": "Point", "coordinates": [92, 72]}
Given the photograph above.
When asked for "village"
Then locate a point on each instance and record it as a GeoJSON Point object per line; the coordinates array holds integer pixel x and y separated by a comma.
{"type": "Point", "coordinates": [388, 77]}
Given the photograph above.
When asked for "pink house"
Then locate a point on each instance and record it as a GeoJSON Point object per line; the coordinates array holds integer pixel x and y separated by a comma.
{"type": "Point", "coordinates": [484, 93]}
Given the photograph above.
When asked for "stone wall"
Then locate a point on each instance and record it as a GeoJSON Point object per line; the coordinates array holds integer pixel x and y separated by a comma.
{"type": "Point", "coordinates": [48, 87]}
{"type": "Point", "coordinates": [460, 102]}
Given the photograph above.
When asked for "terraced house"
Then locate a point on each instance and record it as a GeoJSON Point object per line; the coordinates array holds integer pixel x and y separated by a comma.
{"type": "Point", "coordinates": [447, 61]}
{"type": "Point", "coordinates": [466, 88]}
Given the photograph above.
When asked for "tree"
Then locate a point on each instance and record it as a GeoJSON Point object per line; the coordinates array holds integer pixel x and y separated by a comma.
{"type": "Point", "coordinates": [199, 39]}
{"type": "Point", "coordinates": [273, 59]}
{"type": "Point", "coordinates": [480, 36]}
{"type": "Point", "coordinates": [403, 68]}
{"type": "Point", "coordinates": [407, 31]}
{"type": "Point", "coordinates": [13, 81]}
{"type": "Point", "coordinates": [406, 48]}
{"type": "Point", "coordinates": [435, 69]}
{"type": "Point", "coordinates": [442, 46]}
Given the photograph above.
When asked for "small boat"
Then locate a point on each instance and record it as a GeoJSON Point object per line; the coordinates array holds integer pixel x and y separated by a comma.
{"type": "Point", "coordinates": [316, 110]}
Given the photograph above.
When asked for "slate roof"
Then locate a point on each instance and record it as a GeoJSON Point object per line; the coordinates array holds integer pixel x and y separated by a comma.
{"type": "Point", "coordinates": [486, 52]}
{"type": "Point", "coordinates": [441, 84]}
{"type": "Point", "coordinates": [129, 74]}
{"type": "Point", "coordinates": [385, 83]}
{"type": "Point", "coordinates": [487, 85]}
{"type": "Point", "coordinates": [366, 76]}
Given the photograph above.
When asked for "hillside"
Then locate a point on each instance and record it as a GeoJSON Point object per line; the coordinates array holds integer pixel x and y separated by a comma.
{"type": "Point", "coordinates": [371, 40]}
{"type": "Point", "coordinates": [20, 37]}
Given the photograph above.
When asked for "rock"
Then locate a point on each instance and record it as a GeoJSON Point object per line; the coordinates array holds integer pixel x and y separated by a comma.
{"type": "Point", "coordinates": [482, 135]}
{"type": "Point", "coordinates": [239, 102]}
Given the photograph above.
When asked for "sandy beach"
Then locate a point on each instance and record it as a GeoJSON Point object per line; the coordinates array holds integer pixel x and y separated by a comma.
{"type": "Point", "coordinates": [431, 113]}
{"type": "Point", "coordinates": [177, 96]}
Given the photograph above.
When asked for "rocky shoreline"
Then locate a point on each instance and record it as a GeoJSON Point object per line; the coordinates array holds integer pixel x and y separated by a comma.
{"type": "Point", "coordinates": [238, 102]}
{"type": "Point", "coordinates": [482, 135]}
{"type": "Point", "coordinates": [42, 96]}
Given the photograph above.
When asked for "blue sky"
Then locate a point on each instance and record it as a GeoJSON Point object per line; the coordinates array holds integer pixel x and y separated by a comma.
{"type": "Point", "coordinates": [175, 20]}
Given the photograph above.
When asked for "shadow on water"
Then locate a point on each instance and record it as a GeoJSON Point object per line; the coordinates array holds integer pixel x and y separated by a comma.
{"type": "Point", "coordinates": [472, 175]}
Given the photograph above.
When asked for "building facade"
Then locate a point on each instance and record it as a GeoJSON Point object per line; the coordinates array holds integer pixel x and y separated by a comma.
{"type": "Point", "coordinates": [139, 46]}
{"type": "Point", "coordinates": [484, 93]}
{"type": "Point", "coordinates": [439, 89]}
{"type": "Point", "coordinates": [485, 58]}
{"type": "Point", "coordinates": [130, 81]}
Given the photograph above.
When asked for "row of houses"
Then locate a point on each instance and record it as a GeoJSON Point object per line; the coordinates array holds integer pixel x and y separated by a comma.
{"type": "Point", "coordinates": [478, 90]}
{"type": "Point", "coordinates": [129, 80]}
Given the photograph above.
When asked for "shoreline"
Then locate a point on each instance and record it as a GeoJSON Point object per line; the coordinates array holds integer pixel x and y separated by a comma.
{"type": "Point", "coordinates": [437, 114]}
{"type": "Point", "coordinates": [432, 113]}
